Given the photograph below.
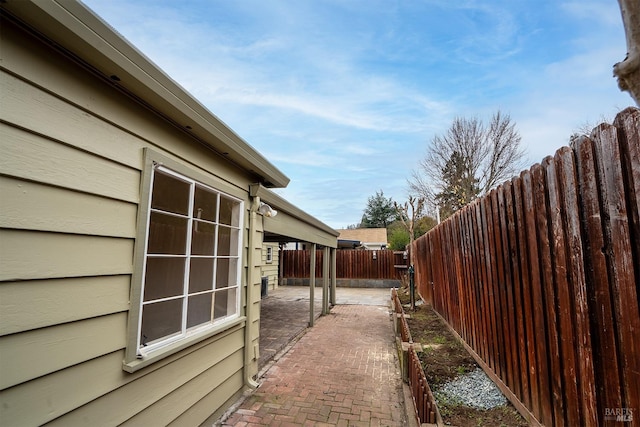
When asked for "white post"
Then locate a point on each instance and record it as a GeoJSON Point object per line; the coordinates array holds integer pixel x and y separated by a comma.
{"type": "Point", "coordinates": [326, 261]}
{"type": "Point", "coordinates": [333, 275]}
{"type": "Point", "coordinates": [312, 283]}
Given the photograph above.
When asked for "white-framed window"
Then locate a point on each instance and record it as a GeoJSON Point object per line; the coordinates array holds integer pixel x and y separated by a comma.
{"type": "Point", "coordinates": [269, 254]}
{"type": "Point", "coordinates": [192, 260]}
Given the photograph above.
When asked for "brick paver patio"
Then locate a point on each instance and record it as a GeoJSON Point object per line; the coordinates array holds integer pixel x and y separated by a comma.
{"type": "Point", "coordinates": [342, 372]}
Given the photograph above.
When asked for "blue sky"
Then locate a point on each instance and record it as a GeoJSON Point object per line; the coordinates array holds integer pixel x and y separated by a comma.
{"type": "Point", "coordinates": [344, 96]}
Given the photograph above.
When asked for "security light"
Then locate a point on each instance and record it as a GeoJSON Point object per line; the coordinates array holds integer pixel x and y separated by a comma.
{"type": "Point", "coordinates": [267, 210]}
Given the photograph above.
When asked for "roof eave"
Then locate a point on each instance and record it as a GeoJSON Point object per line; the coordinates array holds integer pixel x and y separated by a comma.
{"type": "Point", "coordinates": [73, 27]}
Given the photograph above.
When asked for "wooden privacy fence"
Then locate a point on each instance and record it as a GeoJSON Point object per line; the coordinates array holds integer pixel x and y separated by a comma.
{"type": "Point", "coordinates": [412, 372]}
{"type": "Point", "coordinates": [350, 264]}
{"type": "Point", "coordinates": [541, 279]}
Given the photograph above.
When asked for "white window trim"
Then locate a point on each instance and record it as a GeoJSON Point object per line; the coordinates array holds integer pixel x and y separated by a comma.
{"type": "Point", "coordinates": [135, 357]}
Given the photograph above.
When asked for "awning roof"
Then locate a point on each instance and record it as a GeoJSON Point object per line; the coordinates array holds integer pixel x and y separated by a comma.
{"type": "Point", "coordinates": [291, 223]}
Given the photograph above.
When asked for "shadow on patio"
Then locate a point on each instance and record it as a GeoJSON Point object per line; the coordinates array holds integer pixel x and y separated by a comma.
{"type": "Point", "coordinates": [284, 315]}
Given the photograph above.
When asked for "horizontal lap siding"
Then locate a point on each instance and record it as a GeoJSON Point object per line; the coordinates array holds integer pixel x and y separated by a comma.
{"type": "Point", "coordinates": [34, 304]}
{"type": "Point", "coordinates": [26, 255]}
{"type": "Point", "coordinates": [93, 389]}
{"type": "Point", "coordinates": [540, 277]}
{"type": "Point", "coordinates": [72, 153]}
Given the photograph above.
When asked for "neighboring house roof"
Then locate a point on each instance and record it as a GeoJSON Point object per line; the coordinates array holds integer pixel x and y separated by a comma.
{"type": "Point", "coordinates": [364, 235]}
{"type": "Point", "coordinates": [93, 43]}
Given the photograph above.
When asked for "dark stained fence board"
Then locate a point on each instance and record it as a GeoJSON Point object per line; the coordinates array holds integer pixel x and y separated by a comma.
{"type": "Point", "coordinates": [531, 389]}
{"type": "Point", "coordinates": [542, 357]}
{"type": "Point", "coordinates": [607, 369]}
{"type": "Point", "coordinates": [550, 308]}
{"type": "Point", "coordinates": [620, 259]}
{"type": "Point", "coordinates": [576, 291]}
{"type": "Point", "coordinates": [541, 278]}
{"type": "Point", "coordinates": [494, 264]}
{"type": "Point", "coordinates": [563, 305]}
{"type": "Point", "coordinates": [628, 126]}
{"type": "Point", "coordinates": [519, 336]}
{"type": "Point", "coordinates": [350, 264]}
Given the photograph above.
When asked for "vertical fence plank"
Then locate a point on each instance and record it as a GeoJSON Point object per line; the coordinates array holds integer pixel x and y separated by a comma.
{"type": "Point", "coordinates": [537, 297]}
{"type": "Point", "coordinates": [549, 294]}
{"type": "Point", "coordinates": [497, 298]}
{"type": "Point", "coordinates": [620, 259]}
{"type": "Point", "coordinates": [607, 369]}
{"type": "Point", "coordinates": [628, 125]}
{"type": "Point", "coordinates": [566, 333]}
{"type": "Point", "coordinates": [482, 280]}
{"type": "Point", "coordinates": [472, 319]}
{"type": "Point", "coordinates": [577, 291]}
{"type": "Point", "coordinates": [517, 306]}
{"type": "Point", "coordinates": [508, 316]}
{"type": "Point", "coordinates": [527, 305]}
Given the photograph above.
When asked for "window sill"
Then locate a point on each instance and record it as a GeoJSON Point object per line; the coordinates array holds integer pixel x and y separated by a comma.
{"type": "Point", "coordinates": [173, 348]}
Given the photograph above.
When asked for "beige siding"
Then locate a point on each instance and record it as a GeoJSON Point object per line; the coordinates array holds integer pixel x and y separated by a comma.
{"type": "Point", "coordinates": [33, 206]}
{"type": "Point", "coordinates": [28, 255]}
{"type": "Point", "coordinates": [36, 304]}
{"type": "Point", "coordinates": [172, 406]}
{"type": "Point", "coordinates": [35, 353]}
{"type": "Point", "coordinates": [99, 386]}
{"type": "Point", "coordinates": [270, 269]}
{"type": "Point", "coordinates": [31, 157]}
{"type": "Point", "coordinates": [202, 409]}
{"type": "Point", "coordinates": [216, 360]}
{"type": "Point", "coordinates": [70, 172]}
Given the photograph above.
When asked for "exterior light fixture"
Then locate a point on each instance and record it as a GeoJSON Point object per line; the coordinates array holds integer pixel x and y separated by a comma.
{"type": "Point", "coordinates": [375, 255]}
{"type": "Point", "coordinates": [267, 210]}
{"type": "Point", "coordinates": [404, 255]}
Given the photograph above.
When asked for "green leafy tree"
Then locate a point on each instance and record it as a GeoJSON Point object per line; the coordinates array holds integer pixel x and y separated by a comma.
{"type": "Point", "coordinates": [423, 225]}
{"type": "Point", "coordinates": [379, 212]}
{"type": "Point", "coordinates": [397, 236]}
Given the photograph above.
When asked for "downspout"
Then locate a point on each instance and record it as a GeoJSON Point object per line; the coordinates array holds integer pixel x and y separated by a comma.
{"type": "Point", "coordinates": [248, 347]}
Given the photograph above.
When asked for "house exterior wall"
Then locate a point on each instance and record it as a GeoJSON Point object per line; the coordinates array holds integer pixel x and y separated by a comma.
{"type": "Point", "coordinates": [71, 164]}
{"type": "Point", "coordinates": [270, 268]}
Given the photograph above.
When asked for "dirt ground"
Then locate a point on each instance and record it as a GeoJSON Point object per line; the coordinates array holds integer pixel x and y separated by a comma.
{"type": "Point", "coordinates": [444, 359]}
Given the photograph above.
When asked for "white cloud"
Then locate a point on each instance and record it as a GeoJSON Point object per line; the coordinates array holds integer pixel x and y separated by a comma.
{"type": "Point", "coordinates": [345, 96]}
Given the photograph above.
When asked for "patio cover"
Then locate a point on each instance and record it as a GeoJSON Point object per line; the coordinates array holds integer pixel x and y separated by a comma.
{"type": "Point", "coordinates": [291, 223]}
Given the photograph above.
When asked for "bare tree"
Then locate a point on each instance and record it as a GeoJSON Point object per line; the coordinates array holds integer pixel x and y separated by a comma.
{"type": "Point", "coordinates": [409, 213]}
{"type": "Point", "coordinates": [587, 127]}
{"type": "Point", "coordinates": [467, 161]}
{"type": "Point", "coordinates": [628, 70]}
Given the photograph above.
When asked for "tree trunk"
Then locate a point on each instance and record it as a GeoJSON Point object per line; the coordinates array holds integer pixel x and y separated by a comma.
{"type": "Point", "coordinates": [628, 71]}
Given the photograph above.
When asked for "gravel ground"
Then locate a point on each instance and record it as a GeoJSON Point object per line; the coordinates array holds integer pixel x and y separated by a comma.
{"type": "Point", "coordinates": [474, 389]}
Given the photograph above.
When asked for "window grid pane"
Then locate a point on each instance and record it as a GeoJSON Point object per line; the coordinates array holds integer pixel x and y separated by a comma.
{"type": "Point", "coordinates": [194, 256]}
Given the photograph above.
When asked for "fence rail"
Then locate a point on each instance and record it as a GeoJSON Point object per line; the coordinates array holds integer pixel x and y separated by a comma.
{"type": "Point", "coordinates": [541, 278]}
{"type": "Point", "coordinates": [422, 396]}
{"type": "Point", "coordinates": [350, 264]}
{"type": "Point", "coordinates": [405, 333]}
